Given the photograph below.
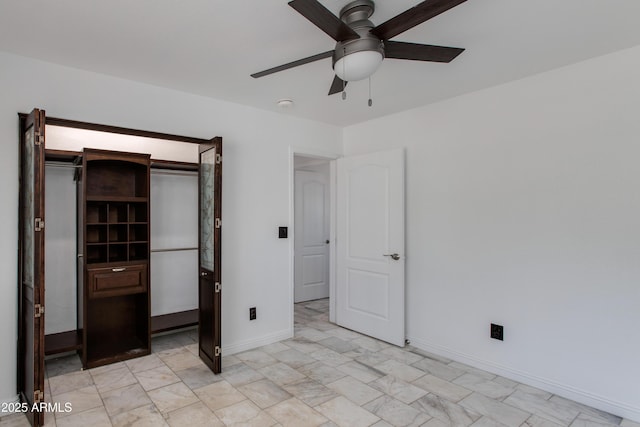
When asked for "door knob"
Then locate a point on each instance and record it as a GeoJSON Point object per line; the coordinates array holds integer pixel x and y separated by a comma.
{"type": "Point", "coordinates": [203, 273]}
{"type": "Point", "coordinates": [394, 257]}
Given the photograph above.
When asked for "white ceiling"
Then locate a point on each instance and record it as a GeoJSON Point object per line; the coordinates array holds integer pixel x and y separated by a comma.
{"type": "Point", "coordinates": [210, 47]}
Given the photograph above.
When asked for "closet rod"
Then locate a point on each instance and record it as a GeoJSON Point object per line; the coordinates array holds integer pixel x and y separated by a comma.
{"type": "Point", "coordinates": [173, 172]}
{"type": "Point", "coordinates": [173, 250]}
{"type": "Point", "coordinates": [59, 164]}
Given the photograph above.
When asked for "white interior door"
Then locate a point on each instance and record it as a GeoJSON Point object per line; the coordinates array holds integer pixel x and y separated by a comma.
{"type": "Point", "coordinates": [311, 270]}
{"type": "Point", "coordinates": [370, 245]}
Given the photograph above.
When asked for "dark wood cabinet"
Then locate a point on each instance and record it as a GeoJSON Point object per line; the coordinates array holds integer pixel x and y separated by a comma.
{"type": "Point", "coordinates": [114, 232]}
{"type": "Point", "coordinates": [113, 281]}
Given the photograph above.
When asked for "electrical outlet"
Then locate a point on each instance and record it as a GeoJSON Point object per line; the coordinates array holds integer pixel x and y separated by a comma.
{"type": "Point", "coordinates": [252, 313]}
{"type": "Point", "coordinates": [497, 332]}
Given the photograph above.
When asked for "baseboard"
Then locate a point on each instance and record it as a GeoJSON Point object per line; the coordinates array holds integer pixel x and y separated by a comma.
{"type": "Point", "coordinates": [620, 409]}
{"type": "Point", "coordinates": [4, 402]}
{"type": "Point", "coordinates": [11, 399]}
{"type": "Point", "coordinates": [238, 347]}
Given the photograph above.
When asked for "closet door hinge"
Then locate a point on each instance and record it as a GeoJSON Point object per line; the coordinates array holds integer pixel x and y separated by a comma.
{"type": "Point", "coordinates": [38, 310]}
{"type": "Point", "coordinates": [217, 287]}
{"type": "Point", "coordinates": [217, 351]}
{"type": "Point", "coordinates": [218, 159]}
{"type": "Point", "coordinates": [38, 396]}
{"type": "Point", "coordinates": [218, 222]}
{"type": "Point", "coordinates": [39, 225]}
{"type": "Point", "coordinates": [38, 139]}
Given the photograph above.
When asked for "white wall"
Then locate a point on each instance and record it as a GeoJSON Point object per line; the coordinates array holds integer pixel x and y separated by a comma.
{"type": "Point", "coordinates": [60, 236]}
{"type": "Point", "coordinates": [174, 225]}
{"type": "Point", "coordinates": [256, 146]}
{"type": "Point", "coordinates": [72, 139]}
{"type": "Point", "coordinates": [523, 209]}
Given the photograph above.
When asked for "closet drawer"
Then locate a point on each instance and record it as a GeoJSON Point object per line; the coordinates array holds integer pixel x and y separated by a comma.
{"type": "Point", "coordinates": [116, 280]}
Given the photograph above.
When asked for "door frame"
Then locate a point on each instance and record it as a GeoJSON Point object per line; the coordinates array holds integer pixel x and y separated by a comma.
{"type": "Point", "coordinates": [331, 158]}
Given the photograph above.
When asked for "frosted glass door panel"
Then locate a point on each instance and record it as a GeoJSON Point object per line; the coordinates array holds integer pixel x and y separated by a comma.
{"type": "Point", "coordinates": [207, 208]}
{"type": "Point", "coordinates": [28, 214]}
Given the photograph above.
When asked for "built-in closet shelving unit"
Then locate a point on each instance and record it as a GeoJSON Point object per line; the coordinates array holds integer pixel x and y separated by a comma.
{"type": "Point", "coordinates": [99, 219]}
{"type": "Point", "coordinates": [114, 233]}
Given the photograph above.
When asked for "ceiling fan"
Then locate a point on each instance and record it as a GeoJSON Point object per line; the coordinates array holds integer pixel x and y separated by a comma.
{"type": "Point", "coordinates": [360, 46]}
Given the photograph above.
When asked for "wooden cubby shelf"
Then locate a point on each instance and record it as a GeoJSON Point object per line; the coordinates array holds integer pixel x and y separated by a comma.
{"type": "Point", "coordinates": [120, 227]}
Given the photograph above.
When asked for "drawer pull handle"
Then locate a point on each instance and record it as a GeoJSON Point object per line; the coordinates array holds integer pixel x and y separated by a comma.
{"type": "Point", "coordinates": [118, 270]}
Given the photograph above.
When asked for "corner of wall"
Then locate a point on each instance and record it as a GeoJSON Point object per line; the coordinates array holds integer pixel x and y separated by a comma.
{"type": "Point", "coordinates": [563, 390]}
{"type": "Point", "coordinates": [238, 347]}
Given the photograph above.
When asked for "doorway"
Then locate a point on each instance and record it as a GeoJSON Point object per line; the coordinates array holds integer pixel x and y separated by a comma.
{"type": "Point", "coordinates": [366, 243]}
{"type": "Point", "coordinates": [313, 226]}
{"type": "Point", "coordinates": [311, 229]}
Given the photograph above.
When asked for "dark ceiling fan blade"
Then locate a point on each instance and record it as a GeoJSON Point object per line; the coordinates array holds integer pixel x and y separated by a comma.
{"type": "Point", "coordinates": [337, 86]}
{"type": "Point", "coordinates": [420, 52]}
{"type": "Point", "coordinates": [327, 54]}
{"type": "Point", "coordinates": [322, 18]}
{"type": "Point", "coordinates": [412, 17]}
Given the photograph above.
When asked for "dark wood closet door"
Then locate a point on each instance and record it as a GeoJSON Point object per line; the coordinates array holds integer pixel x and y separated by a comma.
{"type": "Point", "coordinates": [31, 265]}
{"type": "Point", "coordinates": [210, 285]}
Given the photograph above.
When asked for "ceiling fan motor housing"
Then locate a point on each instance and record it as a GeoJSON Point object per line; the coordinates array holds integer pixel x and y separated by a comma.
{"type": "Point", "coordinates": [358, 10]}
{"type": "Point", "coordinates": [356, 15]}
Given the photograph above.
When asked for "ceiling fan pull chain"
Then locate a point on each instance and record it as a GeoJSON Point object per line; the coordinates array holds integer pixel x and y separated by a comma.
{"type": "Point", "coordinates": [370, 100]}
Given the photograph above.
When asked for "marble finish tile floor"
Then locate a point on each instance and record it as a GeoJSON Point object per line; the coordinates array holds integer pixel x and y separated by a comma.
{"type": "Point", "coordinates": [324, 376]}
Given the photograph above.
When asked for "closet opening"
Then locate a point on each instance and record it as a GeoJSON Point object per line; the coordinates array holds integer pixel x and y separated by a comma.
{"type": "Point", "coordinates": [117, 226]}
{"type": "Point", "coordinates": [173, 221]}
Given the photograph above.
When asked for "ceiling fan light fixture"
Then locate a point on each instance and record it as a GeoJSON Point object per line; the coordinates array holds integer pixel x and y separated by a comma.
{"type": "Point", "coordinates": [358, 65]}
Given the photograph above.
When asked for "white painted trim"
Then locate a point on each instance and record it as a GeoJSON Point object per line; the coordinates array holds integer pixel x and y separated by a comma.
{"type": "Point", "coordinates": [250, 344]}
{"type": "Point", "coordinates": [312, 152]}
{"type": "Point", "coordinates": [327, 155]}
{"type": "Point", "coordinates": [3, 402]}
{"type": "Point", "coordinates": [586, 398]}
{"type": "Point", "coordinates": [13, 399]}
{"type": "Point", "coordinates": [333, 272]}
